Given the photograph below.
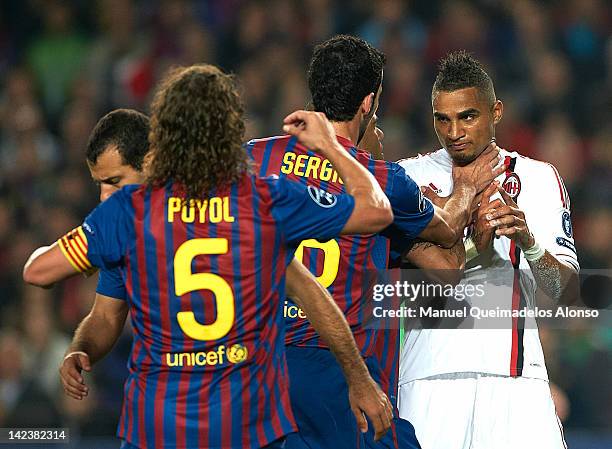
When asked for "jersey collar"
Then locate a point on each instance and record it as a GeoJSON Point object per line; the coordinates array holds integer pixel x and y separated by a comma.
{"type": "Point", "coordinates": [444, 158]}
{"type": "Point", "coordinates": [346, 143]}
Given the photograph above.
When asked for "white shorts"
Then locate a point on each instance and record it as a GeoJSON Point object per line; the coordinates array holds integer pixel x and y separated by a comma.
{"type": "Point", "coordinates": [481, 411]}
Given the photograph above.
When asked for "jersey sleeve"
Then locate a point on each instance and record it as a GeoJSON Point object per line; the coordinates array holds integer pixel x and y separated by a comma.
{"type": "Point", "coordinates": [411, 210]}
{"type": "Point", "coordinates": [305, 212]}
{"type": "Point", "coordinates": [74, 247]}
{"type": "Point", "coordinates": [111, 283]}
{"type": "Point", "coordinates": [107, 229]}
{"type": "Point", "coordinates": [103, 237]}
{"type": "Point", "coordinates": [553, 230]}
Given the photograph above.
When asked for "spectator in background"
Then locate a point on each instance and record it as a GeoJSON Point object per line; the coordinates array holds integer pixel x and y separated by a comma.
{"type": "Point", "coordinates": [392, 17]}
{"type": "Point", "coordinates": [43, 345]}
{"type": "Point", "coordinates": [79, 117]}
{"type": "Point", "coordinates": [558, 141]}
{"type": "Point", "coordinates": [120, 63]}
{"type": "Point", "coordinates": [26, 146]}
{"type": "Point", "coordinates": [22, 402]}
{"type": "Point", "coordinates": [56, 57]}
{"type": "Point", "coordinates": [551, 86]}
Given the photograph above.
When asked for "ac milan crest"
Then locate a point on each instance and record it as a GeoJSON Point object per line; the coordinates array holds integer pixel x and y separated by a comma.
{"type": "Point", "coordinates": [512, 185]}
{"type": "Point", "coordinates": [435, 189]}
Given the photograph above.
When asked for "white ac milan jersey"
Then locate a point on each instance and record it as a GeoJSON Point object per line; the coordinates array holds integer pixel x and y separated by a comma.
{"type": "Point", "coordinates": [515, 349]}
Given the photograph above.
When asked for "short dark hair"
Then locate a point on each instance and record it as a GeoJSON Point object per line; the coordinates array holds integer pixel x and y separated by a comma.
{"type": "Point", "coordinates": [197, 129]}
{"type": "Point", "coordinates": [460, 70]}
{"type": "Point", "coordinates": [343, 71]}
{"type": "Point", "coordinates": [128, 130]}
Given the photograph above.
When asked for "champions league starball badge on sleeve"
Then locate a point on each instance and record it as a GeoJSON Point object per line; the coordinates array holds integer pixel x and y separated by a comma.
{"type": "Point", "coordinates": [566, 221]}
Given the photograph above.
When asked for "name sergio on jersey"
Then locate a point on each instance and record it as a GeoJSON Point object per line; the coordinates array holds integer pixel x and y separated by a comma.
{"type": "Point", "coordinates": [234, 354]}
{"type": "Point", "coordinates": [213, 210]}
{"type": "Point", "coordinates": [309, 167]}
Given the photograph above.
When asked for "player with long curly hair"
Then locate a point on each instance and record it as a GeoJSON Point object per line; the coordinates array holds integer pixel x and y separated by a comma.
{"type": "Point", "coordinates": [203, 248]}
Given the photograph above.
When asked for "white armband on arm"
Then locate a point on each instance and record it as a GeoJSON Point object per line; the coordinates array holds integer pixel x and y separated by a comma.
{"type": "Point", "coordinates": [534, 253]}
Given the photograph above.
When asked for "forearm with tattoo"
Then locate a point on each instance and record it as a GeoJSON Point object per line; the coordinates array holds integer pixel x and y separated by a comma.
{"type": "Point", "coordinates": [558, 280]}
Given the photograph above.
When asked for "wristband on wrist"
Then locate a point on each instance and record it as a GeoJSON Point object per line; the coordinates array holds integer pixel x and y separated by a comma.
{"type": "Point", "coordinates": [75, 352]}
{"type": "Point", "coordinates": [470, 249]}
{"type": "Point", "coordinates": [534, 253]}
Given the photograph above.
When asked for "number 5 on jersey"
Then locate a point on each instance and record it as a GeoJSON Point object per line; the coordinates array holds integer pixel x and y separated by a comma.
{"type": "Point", "coordinates": [185, 281]}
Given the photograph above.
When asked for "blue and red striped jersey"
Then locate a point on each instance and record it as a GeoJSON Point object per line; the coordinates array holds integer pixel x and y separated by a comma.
{"type": "Point", "coordinates": [111, 283]}
{"type": "Point", "coordinates": [342, 264]}
{"type": "Point", "coordinates": [204, 283]}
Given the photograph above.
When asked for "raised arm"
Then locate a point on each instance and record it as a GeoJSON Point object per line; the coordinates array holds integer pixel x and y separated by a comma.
{"type": "Point", "coordinates": [372, 211]}
{"type": "Point", "coordinates": [365, 395]}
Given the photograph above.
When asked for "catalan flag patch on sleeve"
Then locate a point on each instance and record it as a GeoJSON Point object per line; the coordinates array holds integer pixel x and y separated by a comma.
{"type": "Point", "coordinates": [74, 246]}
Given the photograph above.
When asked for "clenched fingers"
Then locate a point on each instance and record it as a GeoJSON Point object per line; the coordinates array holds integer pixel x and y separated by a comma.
{"type": "Point", "coordinates": [71, 378]}
{"type": "Point", "coordinates": [382, 421]}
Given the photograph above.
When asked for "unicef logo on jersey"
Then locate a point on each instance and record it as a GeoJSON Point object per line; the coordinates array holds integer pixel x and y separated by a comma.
{"type": "Point", "coordinates": [237, 353]}
{"type": "Point", "coordinates": [566, 221]}
{"type": "Point", "coordinates": [321, 197]}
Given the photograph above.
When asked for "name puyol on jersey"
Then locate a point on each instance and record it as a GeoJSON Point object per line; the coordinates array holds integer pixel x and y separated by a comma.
{"type": "Point", "coordinates": [322, 198]}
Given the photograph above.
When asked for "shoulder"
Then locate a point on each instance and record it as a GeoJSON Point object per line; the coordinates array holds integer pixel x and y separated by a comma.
{"type": "Point", "coordinates": [537, 166]}
{"type": "Point", "coordinates": [423, 159]}
{"type": "Point", "coordinates": [541, 174]}
{"type": "Point", "coordinates": [127, 193]}
{"type": "Point", "coordinates": [121, 201]}
{"type": "Point", "coordinates": [265, 187]}
{"type": "Point", "coordinates": [267, 142]}
{"type": "Point", "coordinates": [375, 166]}
{"type": "Point", "coordinates": [532, 167]}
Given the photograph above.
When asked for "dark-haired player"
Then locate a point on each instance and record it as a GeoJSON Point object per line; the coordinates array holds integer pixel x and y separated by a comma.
{"type": "Point", "coordinates": [345, 79]}
{"type": "Point", "coordinates": [489, 388]}
{"type": "Point", "coordinates": [116, 149]}
{"type": "Point", "coordinates": [203, 249]}
{"type": "Point", "coordinates": [115, 152]}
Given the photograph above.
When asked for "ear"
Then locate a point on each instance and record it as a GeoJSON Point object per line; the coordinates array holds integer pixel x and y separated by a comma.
{"type": "Point", "coordinates": [498, 111]}
{"type": "Point", "coordinates": [146, 162]}
{"type": "Point", "coordinates": [367, 104]}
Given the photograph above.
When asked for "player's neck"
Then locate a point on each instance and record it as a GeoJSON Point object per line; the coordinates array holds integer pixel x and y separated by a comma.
{"type": "Point", "coordinates": [348, 130]}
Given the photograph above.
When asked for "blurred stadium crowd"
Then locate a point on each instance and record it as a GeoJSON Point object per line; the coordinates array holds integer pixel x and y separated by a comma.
{"type": "Point", "coordinates": [65, 63]}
